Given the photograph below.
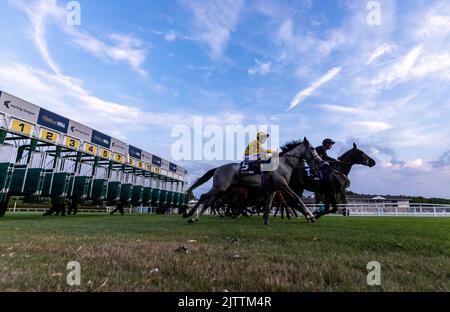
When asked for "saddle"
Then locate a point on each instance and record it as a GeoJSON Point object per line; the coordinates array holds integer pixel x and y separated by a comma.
{"type": "Point", "coordinates": [253, 167]}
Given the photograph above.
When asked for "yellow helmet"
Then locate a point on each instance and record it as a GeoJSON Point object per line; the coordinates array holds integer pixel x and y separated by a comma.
{"type": "Point", "coordinates": [262, 134]}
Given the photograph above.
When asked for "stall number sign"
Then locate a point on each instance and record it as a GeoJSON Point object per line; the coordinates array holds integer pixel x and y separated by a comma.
{"type": "Point", "coordinates": [21, 126]}
{"type": "Point", "coordinates": [119, 157]}
{"type": "Point", "coordinates": [156, 170]}
{"type": "Point", "coordinates": [105, 153]}
{"type": "Point", "coordinates": [89, 148]}
{"type": "Point", "coordinates": [72, 143]}
{"type": "Point", "coordinates": [48, 135]}
{"type": "Point", "coordinates": [148, 167]}
{"type": "Point", "coordinates": [140, 164]}
{"type": "Point", "coordinates": [131, 162]}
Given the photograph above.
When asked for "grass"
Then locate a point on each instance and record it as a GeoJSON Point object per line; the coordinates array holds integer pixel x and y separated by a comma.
{"type": "Point", "coordinates": [118, 253]}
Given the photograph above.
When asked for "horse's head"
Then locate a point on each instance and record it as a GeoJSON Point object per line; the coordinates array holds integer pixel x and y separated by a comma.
{"type": "Point", "coordinates": [357, 156]}
{"type": "Point", "coordinates": [301, 150]}
{"type": "Point", "coordinates": [310, 153]}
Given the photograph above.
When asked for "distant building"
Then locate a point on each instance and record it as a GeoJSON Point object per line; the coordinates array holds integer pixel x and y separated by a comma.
{"type": "Point", "coordinates": [399, 201]}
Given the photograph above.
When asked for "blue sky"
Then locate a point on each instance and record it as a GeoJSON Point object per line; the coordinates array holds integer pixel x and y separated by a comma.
{"type": "Point", "coordinates": [134, 69]}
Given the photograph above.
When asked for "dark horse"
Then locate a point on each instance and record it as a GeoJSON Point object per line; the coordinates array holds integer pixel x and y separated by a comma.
{"type": "Point", "coordinates": [300, 181]}
{"type": "Point", "coordinates": [269, 183]}
{"type": "Point", "coordinates": [239, 197]}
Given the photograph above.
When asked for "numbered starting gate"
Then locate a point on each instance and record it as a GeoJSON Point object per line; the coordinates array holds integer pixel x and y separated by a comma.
{"type": "Point", "coordinates": [138, 190]}
{"type": "Point", "coordinates": [98, 189]}
{"type": "Point", "coordinates": [43, 154]}
{"type": "Point", "coordinates": [29, 174]}
{"type": "Point", "coordinates": [148, 191]}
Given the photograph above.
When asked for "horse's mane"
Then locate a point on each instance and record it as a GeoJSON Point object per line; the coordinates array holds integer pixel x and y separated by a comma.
{"type": "Point", "coordinates": [289, 146]}
{"type": "Point", "coordinates": [346, 153]}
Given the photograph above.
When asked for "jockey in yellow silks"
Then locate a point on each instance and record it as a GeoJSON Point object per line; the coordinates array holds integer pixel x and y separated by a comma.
{"type": "Point", "coordinates": [255, 150]}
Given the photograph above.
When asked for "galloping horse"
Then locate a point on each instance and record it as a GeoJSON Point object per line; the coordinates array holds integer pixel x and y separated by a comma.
{"type": "Point", "coordinates": [268, 183]}
{"type": "Point", "coordinates": [300, 181]}
{"type": "Point", "coordinates": [239, 197]}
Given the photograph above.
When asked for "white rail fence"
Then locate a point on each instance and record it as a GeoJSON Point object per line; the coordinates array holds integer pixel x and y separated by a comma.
{"type": "Point", "coordinates": [366, 210]}
{"type": "Point", "coordinates": [392, 210]}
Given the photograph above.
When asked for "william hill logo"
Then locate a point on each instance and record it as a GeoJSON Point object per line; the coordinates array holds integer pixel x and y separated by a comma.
{"type": "Point", "coordinates": [99, 139]}
{"type": "Point", "coordinates": [54, 122]}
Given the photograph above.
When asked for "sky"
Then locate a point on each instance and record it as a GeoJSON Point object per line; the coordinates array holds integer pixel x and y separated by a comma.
{"type": "Point", "coordinates": [135, 69]}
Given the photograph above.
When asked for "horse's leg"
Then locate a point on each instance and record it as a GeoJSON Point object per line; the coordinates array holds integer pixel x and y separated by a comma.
{"type": "Point", "coordinates": [210, 203]}
{"type": "Point", "coordinates": [267, 206]}
{"type": "Point", "coordinates": [294, 212]}
{"type": "Point", "coordinates": [276, 211]}
{"type": "Point", "coordinates": [333, 201]}
{"type": "Point", "coordinates": [308, 215]}
{"type": "Point", "coordinates": [203, 198]}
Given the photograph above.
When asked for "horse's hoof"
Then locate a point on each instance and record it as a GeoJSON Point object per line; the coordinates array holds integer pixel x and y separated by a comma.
{"type": "Point", "coordinates": [185, 216]}
{"type": "Point", "coordinates": [191, 221]}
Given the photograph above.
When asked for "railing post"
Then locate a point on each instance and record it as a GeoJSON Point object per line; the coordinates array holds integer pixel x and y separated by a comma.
{"type": "Point", "coordinates": [434, 209]}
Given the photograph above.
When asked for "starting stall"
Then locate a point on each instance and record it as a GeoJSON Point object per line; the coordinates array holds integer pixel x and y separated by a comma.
{"type": "Point", "coordinates": [43, 154]}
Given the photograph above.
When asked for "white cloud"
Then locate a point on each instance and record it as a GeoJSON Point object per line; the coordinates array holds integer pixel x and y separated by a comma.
{"type": "Point", "coordinates": [123, 48]}
{"type": "Point", "coordinates": [417, 163]}
{"type": "Point", "coordinates": [371, 126]}
{"type": "Point", "coordinates": [170, 36]}
{"type": "Point", "coordinates": [214, 21]}
{"type": "Point", "coordinates": [302, 95]}
{"type": "Point", "coordinates": [436, 23]}
{"type": "Point", "coordinates": [400, 70]}
{"type": "Point", "coordinates": [260, 68]}
{"type": "Point", "coordinates": [67, 96]}
{"type": "Point", "coordinates": [347, 110]}
{"type": "Point", "coordinates": [381, 50]}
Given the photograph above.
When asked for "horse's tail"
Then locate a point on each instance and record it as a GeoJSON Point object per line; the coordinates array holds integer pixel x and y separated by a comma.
{"type": "Point", "coordinates": [202, 180]}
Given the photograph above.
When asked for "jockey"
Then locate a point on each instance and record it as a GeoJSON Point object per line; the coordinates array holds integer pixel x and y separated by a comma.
{"type": "Point", "coordinates": [325, 170]}
{"type": "Point", "coordinates": [255, 150]}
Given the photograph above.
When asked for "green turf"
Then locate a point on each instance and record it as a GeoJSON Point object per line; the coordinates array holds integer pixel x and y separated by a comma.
{"type": "Point", "coordinates": [118, 253]}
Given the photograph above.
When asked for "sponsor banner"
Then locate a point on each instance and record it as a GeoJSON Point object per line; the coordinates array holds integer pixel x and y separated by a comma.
{"type": "Point", "coordinates": [101, 139]}
{"type": "Point", "coordinates": [119, 146]}
{"type": "Point", "coordinates": [180, 170]}
{"type": "Point", "coordinates": [134, 152]}
{"type": "Point", "coordinates": [79, 131]}
{"type": "Point", "coordinates": [165, 164]}
{"type": "Point", "coordinates": [173, 167]}
{"type": "Point", "coordinates": [18, 108]}
{"type": "Point", "coordinates": [146, 157]}
{"type": "Point", "coordinates": [156, 161]}
{"type": "Point", "coordinates": [53, 121]}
